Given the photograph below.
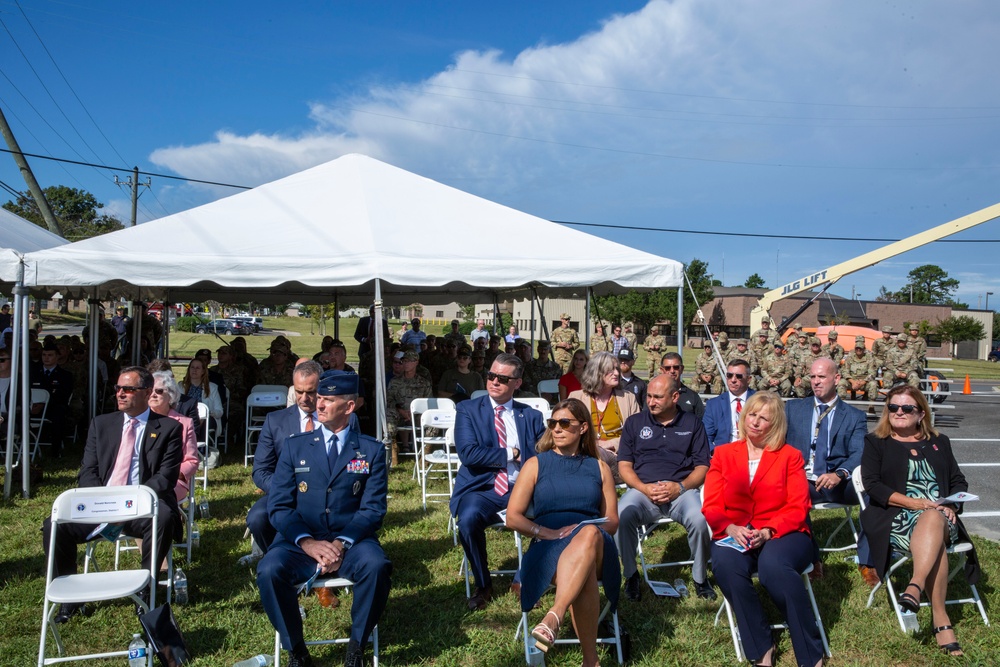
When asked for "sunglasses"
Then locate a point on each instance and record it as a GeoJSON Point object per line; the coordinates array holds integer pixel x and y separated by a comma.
{"type": "Point", "coordinates": [561, 423]}
{"type": "Point", "coordinates": [502, 379]}
{"type": "Point", "coordinates": [730, 376]}
{"type": "Point", "coordinates": [160, 391]}
{"type": "Point", "coordinates": [670, 368]}
{"type": "Point", "coordinates": [127, 389]}
{"type": "Point", "coordinates": [907, 409]}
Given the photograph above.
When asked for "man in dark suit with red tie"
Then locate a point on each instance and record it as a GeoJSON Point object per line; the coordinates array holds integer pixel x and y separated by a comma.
{"type": "Point", "coordinates": [131, 446]}
{"type": "Point", "coordinates": [494, 436]}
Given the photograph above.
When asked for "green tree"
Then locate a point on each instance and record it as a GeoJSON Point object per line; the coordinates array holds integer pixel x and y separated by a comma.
{"type": "Point", "coordinates": [78, 212]}
{"type": "Point", "coordinates": [926, 284]}
{"type": "Point", "coordinates": [959, 329]}
{"type": "Point", "coordinates": [755, 282]}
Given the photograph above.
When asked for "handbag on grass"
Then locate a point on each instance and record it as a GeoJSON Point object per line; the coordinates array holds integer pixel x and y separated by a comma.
{"type": "Point", "coordinates": [165, 637]}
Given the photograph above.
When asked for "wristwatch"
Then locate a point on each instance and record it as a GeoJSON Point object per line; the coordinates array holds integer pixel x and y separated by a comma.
{"type": "Point", "coordinates": [681, 484]}
{"type": "Point", "coordinates": [843, 474]}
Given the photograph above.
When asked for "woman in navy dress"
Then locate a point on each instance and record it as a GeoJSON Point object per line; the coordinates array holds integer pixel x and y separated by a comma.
{"type": "Point", "coordinates": [564, 485]}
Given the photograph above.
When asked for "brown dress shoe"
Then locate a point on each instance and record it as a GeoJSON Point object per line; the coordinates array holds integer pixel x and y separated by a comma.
{"type": "Point", "coordinates": [480, 598]}
{"type": "Point", "coordinates": [327, 597]}
{"type": "Point", "coordinates": [869, 575]}
{"type": "Point", "coordinates": [817, 572]}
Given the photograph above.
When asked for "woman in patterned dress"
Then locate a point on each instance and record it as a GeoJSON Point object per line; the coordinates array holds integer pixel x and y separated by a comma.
{"type": "Point", "coordinates": [907, 467]}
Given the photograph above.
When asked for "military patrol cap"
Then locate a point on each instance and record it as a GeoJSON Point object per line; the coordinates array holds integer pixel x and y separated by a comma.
{"type": "Point", "coordinates": [859, 341]}
{"type": "Point", "coordinates": [887, 329]}
{"type": "Point", "coordinates": [478, 354]}
{"type": "Point", "coordinates": [521, 342]}
{"type": "Point", "coordinates": [225, 348]}
{"type": "Point", "coordinates": [655, 330]}
{"type": "Point", "coordinates": [742, 341]}
{"type": "Point", "coordinates": [337, 383]}
{"type": "Point", "coordinates": [723, 337]}
{"type": "Point", "coordinates": [902, 337]}
{"type": "Point", "coordinates": [797, 326]}
{"type": "Point", "coordinates": [832, 334]}
{"type": "Point", "coordinates": [814, 341]}
{"type": "Point", "coordinates": [914, 327]}
{"type": "Point", "coordinates": [338, 343]}
{"type": "Point", "coordinates": [278, 347]}
{"type": "Point", "coordinates": [780, 345]}
{"type": "Point", "coordinates": [803, 334]}
{"type": "Point", "coordinates": [625, 354]}
{"type": "Point", "coordinates": [465, 351]}
{"type": "Point", "coordinates": [455, 322]}
{"type": "Point", "coordinates": [564, 316]}
{"type": "Point", "coordinates": [544, 345]}
{"type": "Point", "coordinates": [762, 335]}
{"type": "Point", "coordinates": [409, 355]}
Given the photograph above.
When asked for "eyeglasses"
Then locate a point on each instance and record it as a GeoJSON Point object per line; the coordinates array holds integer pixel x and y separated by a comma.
{"type": "Point", "coordinates": [159, 391]}
{"type": "Point", "coordinates": [671, 368]}
{"type": "Point", "coordinates": [730, 376]}
{"type": "Point", "coordinates": [561, 423]}
{"type": "Point", "coordinates": [907, 409]}
{"type": "Point", "coordinates": [502, 379]}
{"type": "Point", "coordinates": [127, 389]}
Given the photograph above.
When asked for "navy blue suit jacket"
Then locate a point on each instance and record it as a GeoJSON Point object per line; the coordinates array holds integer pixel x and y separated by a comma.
{"type": "Point", "coordinates": [847, 432]}
{"type": "Point", "coordinates": [478, 446]}
{"type": "Point", "coordinates": [278, 426]}
{"type": "Point", "coordinates": [717, 418]}
{"type": "Point", "coordinates": [310, 497]}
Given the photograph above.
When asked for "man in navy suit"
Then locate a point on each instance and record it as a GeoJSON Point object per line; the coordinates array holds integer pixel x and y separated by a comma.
{"type": "Point", "coordinates": [494, 436]}
{"type": "Point", "coordinates": [278, 426]}
{"type": "Point", "coordinates": [59, 383]}
{"type": "Point", "coordinates": [830, 434]}
{"type": "Point", "coordinates": [328, 499]}
{"type": "Point", "coordinates": [722, 411]}
{"type": "Point", "coordinates": [131, 446]}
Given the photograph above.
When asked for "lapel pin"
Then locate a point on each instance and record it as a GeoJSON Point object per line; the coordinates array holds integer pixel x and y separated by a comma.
{"type": "Point", "coordinates": [302, 462]}
{"type": "Point", "coordinates": [152, 435]}
{"type": "Point", "coordinates": [359, 455]}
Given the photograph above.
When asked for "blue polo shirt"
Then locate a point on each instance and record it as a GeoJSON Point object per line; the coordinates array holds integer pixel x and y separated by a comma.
{"type": "Point", "coordinates": [664, 453]}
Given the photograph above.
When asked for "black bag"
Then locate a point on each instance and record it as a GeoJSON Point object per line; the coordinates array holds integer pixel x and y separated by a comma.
{"type": "Point", "coordinates": [165, 638]}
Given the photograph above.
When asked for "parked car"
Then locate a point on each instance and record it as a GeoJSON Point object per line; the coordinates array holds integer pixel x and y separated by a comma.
{"type": "Point", "coordinates": [994, 354]}
{"type": "Point", "coordinates": [248, 321]}
{"type": "Point", "coordinates": [228, 327]}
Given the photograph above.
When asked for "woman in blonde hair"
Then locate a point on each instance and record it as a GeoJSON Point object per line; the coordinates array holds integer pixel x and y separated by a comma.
{"type": "Point", "coordinates": [756, 499]}
{"type": "Point", "coordinates": [197, 386]}
{"type": "Point", "coordinates": [907, 467]}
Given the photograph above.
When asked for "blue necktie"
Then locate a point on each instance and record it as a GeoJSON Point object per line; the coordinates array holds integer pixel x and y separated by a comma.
{"type": "Point", "coordinates": [822, 440]}
{"type": "Point", "coordinates": [333, 454]}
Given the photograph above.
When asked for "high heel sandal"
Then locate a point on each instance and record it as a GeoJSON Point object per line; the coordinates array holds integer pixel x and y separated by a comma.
{"type": "Point", "coordinates": [953, 648]}
{"type": "Point", "coordinates": [544, 635]}
{"type": "Point", "coordinates": [908, 602]}
{"type": "Point", "coordinates": [773, 651]}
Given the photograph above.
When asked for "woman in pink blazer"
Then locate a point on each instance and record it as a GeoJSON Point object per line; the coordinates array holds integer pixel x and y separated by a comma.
{"type": "Point", "coordinates": [163, 400]}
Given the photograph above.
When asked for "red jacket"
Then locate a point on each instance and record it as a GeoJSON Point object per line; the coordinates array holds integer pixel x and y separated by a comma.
{"type": "Point", "coordinates": [778, 498]}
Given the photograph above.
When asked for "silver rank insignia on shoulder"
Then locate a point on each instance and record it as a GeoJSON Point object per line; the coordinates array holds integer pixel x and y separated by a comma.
{"type": "Point", "coordinates": [303, 487]}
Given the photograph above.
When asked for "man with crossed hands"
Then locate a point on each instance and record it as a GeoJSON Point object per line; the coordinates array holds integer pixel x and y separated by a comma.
{"type": "Point", "coordinates": [327, 499]}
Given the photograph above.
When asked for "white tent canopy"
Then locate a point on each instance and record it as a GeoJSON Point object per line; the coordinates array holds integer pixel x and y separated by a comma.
{"type": "Point", "coordinates": [18, 236]}
{"type": "Point", "coordinates": [331, 230]}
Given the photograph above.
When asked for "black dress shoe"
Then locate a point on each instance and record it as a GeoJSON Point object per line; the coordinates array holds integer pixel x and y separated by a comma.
{"type": "Point", "coordinates": [70, 609]}
{"type": "Point", "coordinates": [705, 590]}
{"type": "Point", "coordinates": [480, 598]}
{"type": "Point", "coordinates": [355, 655]}
{"type": "Point", "coordinates": [633, 587]}
{"type": "Point", "coordinates": [299, 659]}
{"type": "Point", "coordinates": [144, 596]}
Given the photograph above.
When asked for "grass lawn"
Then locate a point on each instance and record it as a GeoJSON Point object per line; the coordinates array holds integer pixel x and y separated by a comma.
{"type": "Point", "coordinates": [426, 622]}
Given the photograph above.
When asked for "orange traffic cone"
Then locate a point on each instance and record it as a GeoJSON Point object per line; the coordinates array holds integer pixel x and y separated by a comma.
{"type": "Point", "coordinates": [967, 389]}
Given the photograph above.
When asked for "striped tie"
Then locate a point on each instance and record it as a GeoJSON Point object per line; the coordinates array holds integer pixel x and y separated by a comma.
{"type": "Point", "coordinates": [501, 485]}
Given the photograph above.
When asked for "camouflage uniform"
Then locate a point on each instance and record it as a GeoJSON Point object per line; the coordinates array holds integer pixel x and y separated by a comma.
{"type": "Point", "coordinates": [655, 345]}
{"type": "Point", "coordinates": [760, 350]}
{"type": "Point", "coordinates": [439, 366]}
{"type": "Point", "coordinates": [801, 384]}
{"type": "Point", "coordinates": [901, 361]}
{"type": "Point", "coordinates": [772, 335]}
{"type": "Point", "coordinates": [798, 349]}
{"type": "Point", "coordinates": [400, 393]}
{"type": "Point", "coordinates": [834, 350]}
{"type": "Point", "coordinates": [564, 335]}
{"type": "Point", "coordinates": [599, 344]}
{"type": "Point", "coordinates": [774, 367]}
{"type": "Point", "coordinates": [630, 338]}
{"type": "Point", "coordinates": [540, 370]}
{"type": "Point", "coordinates": [881, 346]}
{"type": "Point", "coordinates": [919, 347]}
{"type": "Point", "coordinates": [458, 337]}
{"type": "Point", "coordinates": [705, 365]}
{"type": "Point", "coordinates": [267, 373]}
{"type": "Point", "coordinates": [725, 349]}
{"type": "Point", "coordinates": [234, 376]}
{"type": "Point", "coordinates": [858, 369]}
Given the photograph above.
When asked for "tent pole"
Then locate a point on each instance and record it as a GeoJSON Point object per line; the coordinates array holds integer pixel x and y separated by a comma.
{"type": "Point", "coordinates": [586, 320]}
{"type": "Point", "coordinates": [680, 318]}
{"type": "Point", "coordinates": [165, 313]}
{"type": "Point", "coordinates": [497, 321]}
{"type": "Point", "coordinates": [26, 393]}
{"type": "Point", "coordinates": [544, 325]}
{"type": "Point", "coordinates": [93, 317]}
{"type": "Point", "coordinates": [336, 317]}
{"type": "Point", "coordinates": [531, 320]}
{"type": "Point", "coordinates": [378, 350]}
{"type": "Point", "coordinates": [136, 329]}
{"type": "Point", "coordinates": [16, 361]}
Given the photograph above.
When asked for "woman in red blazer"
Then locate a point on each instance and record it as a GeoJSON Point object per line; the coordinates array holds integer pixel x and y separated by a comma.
{"type": "Point", "coordinates": [756, 499]}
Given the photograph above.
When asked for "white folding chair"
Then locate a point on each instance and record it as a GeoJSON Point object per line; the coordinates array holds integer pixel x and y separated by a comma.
{"type": "Point", "coordinates": [479, 392]}
{"type": "Point", "coordinates": [539, 404]}
{"type": "Point", "coordinates": [418, 406]}
{"type": "Point", "coordinates": [846, 522]}
{"type": "Point", "coordinates": [120, 503]}
{"type": "Point", "coordinates": [443, 420]}
{"type": "Point", "coordinates": [548, 387]}
{"type": "Point", "coordinates": [646, 567]}
{"type": "Point", "coordinates": [204, 445]}
{"type": "Point", "coordinates": [36, 424]}
{"type": "Point", "coordinates": [263, 399]}
{"type": "Point", "coordinates": [734, 629]}
{"type": "Point", "coordinates": [329, 582]}
{"type": "Point", "coordinates": [615, 639]}
{"type": "Point", "coordinates": [903, 557]}
{"type": "Point", "coordinates": [463, 569]}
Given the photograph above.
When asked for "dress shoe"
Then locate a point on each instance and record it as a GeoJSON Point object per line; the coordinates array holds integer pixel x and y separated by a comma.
{"type": "Point", "coordinates": [355, 655]}
{"type": "Point", "coordinates": [869, 574]}
{"type": "Point", "coordinates": [144, 596]}
{"type": "Point", "coordinates": [297, 659]}
{"type": "Point", "coordinates": [705, 591]}
{"type": "Point", "coordinates": [633, 587]}
{"type": "Point", "coordinates": [68, 610]}
{"type": "Point", "coordinates": [515, 589]}
{"type": "Point", "coordinates": [480, 598]}
{"type": "Point", "coordinates": [817, 571]}
{"type": "Point", "coordinates": [327, 597]}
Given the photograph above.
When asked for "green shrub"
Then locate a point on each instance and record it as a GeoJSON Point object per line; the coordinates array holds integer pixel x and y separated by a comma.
{"type": "Point", "coordinates": [186, 324]}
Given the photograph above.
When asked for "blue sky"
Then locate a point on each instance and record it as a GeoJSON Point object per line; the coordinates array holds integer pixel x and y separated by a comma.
{"type": "Point", "coordinates": [823, 118]}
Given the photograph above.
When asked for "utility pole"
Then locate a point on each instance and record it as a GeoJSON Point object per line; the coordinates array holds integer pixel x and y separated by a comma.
{"type": "Point", "coordinates": [133, 183]}
{"type": "Point", "coordinates": [29, 178]}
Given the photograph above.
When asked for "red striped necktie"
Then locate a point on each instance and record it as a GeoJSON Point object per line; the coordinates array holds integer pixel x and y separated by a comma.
{"type": "Point", "coordinates": [501, 485]}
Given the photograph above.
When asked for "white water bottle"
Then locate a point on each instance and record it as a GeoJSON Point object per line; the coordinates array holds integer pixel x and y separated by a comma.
{"type": "Point", "coordinates": [195, 536]}
{"type": "Point", "coordinates": [203, 511]}
{"type": "Point", "coordinates": [137, 651]}
{"type": "Point", "coordinates": [681, 587]}
{"type": "Point", "coordinates": [180, 586]}
{"type": "Point", "coordinates": [256, 661]}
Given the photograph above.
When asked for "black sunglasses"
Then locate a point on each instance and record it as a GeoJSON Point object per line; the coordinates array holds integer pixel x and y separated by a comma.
{"type": "Point", "coordinates": [502, 379]}
{"type": "Point", "coordinates": [127, 389]}
{"type": "Point", "coordinates": [670, 368]}
{"type": "Point", "coordinates": [562, 423]}
{"type": "Point", "coordinates": [730, 376]}
{"type": "Point", "coordinates": [907, 409]}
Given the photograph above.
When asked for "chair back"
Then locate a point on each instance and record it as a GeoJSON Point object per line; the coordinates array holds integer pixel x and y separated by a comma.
{"type": "Point", "coordinates": [421, 405]}
{"type": "Point", "coordinates": [262, 388]}
{"type": "Point", "coordinates": [548, 387]}
{"type": "Point", "coordinates": [267, 399]}
{"type": "Point", "coordinates": [479, 392]}
{"type": "Point", "coordinates": [443, 419]}
{"type": "Point", "coordinates": [204, 417]}
{"type": "Point", "coordinates": [859, 487]}
{"type": "Point", "coordinates": [539, 404]}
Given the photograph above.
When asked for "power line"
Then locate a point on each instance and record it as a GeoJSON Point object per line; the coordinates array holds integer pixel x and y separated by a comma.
{"type": "Point", "coordinates": [27, 129]}
{"type": "Point", "coordinates": [125, 169]}
{"type": "Point", "coordinates": [797, 237]}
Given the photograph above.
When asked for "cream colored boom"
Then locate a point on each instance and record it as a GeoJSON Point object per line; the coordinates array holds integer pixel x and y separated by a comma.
{"type": "Point", "coordinates": [838, 271]}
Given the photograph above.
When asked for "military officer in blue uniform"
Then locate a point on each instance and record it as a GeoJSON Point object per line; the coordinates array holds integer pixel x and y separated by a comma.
{"type": "Point", "coordinates": [327, 500]}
